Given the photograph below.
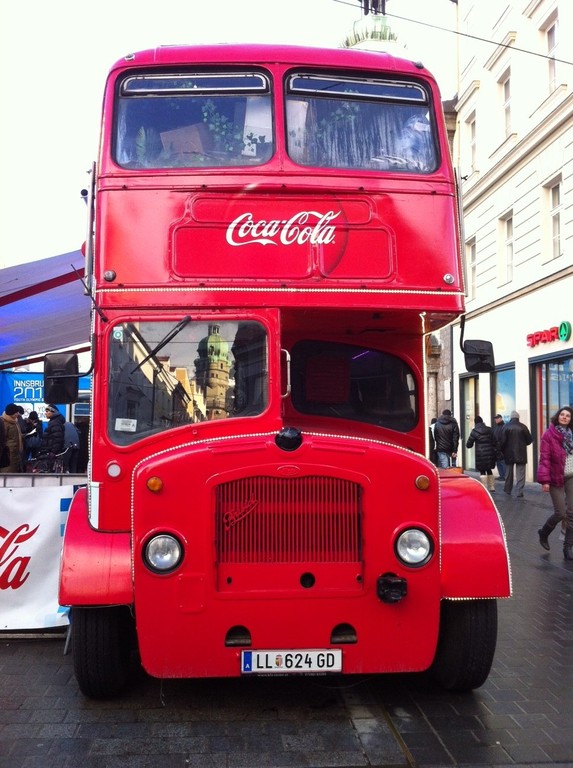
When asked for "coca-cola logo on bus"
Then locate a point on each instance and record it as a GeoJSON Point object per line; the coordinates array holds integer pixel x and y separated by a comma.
{"type": "Point", "coordinates": [14, 567]}
{"type": "Point", "coordinates": [303, 227]}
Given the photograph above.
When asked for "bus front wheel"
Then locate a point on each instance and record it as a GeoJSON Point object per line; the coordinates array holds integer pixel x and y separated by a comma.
{"type": "Point", "coordinates": [466, 644]}
{"type": "Point", "coordinates": [103, 640]}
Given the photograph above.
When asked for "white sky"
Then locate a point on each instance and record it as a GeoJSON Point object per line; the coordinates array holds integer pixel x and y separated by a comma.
{"type": "Point", "coordinates": [55, 55]}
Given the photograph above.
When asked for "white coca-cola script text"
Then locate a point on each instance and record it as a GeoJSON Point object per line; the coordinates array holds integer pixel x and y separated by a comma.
{"type": "Point", "coordinates": [304, 227]}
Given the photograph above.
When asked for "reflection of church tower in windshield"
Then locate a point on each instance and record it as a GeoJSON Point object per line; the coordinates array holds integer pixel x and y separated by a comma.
{"type": "Point", "coordinates": [212, 370]}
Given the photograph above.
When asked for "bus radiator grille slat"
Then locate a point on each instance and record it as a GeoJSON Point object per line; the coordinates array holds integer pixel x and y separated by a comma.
{"type": "Point", "coordinates": [288, 520]}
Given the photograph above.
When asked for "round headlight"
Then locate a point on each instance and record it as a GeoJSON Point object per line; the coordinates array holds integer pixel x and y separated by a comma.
{"type": "Point", "coordinates": [414, 547]}
{"type": "Point", "coordinates": [163, 553]}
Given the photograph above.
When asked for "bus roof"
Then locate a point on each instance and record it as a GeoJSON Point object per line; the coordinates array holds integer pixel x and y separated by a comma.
{"type": "Point", "coordinates": [233, 53]}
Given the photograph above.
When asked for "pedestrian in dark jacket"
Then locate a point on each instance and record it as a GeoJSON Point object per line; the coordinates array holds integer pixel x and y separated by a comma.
{"type": "Point", "coordinates": [72, 446]}
{"type": "Point", "coordinates": [485, 449]}
{"type": "Point", "coordinates": [555, 473]}
{"type": "Point", "coordinates": [33, 435]}
{"type": "Point", "coordinates": [53, 436]}
{"type": "Point", "coordinates": [514, 441]}
{"type": "Point", "coordinates": [497, 428]}
{"type": "Point", "coordinates": [22, 424]}
{"type": "Point", "coordinates": [4, 450]}
{"type": "Point", "coordinates": [447, 437]}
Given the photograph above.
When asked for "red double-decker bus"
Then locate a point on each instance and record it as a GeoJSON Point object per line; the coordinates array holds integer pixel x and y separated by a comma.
{"type": "Point", "coordinates": [273, 235]}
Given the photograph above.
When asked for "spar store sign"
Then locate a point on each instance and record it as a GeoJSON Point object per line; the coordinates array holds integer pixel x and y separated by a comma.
{"type": "Point", "coordinates": [556, 333]}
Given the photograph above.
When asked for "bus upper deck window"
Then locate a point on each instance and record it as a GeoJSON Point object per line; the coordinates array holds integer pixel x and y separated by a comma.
{"type": "Point", "coordinates": [362, 124]}
{"type": "Point", "coordinates": [193, 120]}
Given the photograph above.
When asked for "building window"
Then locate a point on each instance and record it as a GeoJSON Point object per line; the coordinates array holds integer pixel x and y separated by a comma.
{"type": "Point", "coordinates": [505, 85]}
{"type": "Point", "coordinates": [505, 261]}
{"type": "Point", "coordinates": [472, 143]}
{"type": "Point", "coordinates": [554, 388]}
{"type": "Point", "coordinates": [469, 409]}
{"type": "Point", "coordinates": [551, 208]}
{"type": "Point", "coordinates": [555, 217]}
{"type": "Point", "coordinates": [503, 382]}
{"type": "Point", "coordinates": [551, 39]}
{"type": "Point", "coordinates": [471, 268]}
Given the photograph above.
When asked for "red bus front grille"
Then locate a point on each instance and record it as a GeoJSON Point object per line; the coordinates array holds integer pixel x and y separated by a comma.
{"type": "Point", "coordinates": [294, 520]}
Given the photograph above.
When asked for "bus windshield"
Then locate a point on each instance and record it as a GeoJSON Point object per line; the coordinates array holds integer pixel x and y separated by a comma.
{"type": "Point", "coordinates": [363, 124]}
{"type": "Point", "coordinates": [165, 374]}
{"type": "Point", "coordinates": [347, 381]}
{"type": "Point", "coordinates": [193, 120]}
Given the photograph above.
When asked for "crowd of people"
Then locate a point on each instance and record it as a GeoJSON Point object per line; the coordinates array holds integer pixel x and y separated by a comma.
{"type": "Point", "coordinates": [504, 447]}
{"type": "Point", "coordinates": [24, 439]}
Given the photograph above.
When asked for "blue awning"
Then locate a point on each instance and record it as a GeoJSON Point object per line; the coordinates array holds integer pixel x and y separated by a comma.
{"type": "Point", "coordinates": [43, 308]}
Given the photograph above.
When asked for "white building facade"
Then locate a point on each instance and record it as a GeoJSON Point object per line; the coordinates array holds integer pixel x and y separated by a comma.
{"type": "Point", "coordinates": [514, 151]}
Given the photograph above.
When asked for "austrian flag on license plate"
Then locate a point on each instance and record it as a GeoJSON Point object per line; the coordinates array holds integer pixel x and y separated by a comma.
{"type": "Point", "coordinates": [287, 661]}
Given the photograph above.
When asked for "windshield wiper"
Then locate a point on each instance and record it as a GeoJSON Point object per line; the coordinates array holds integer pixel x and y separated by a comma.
{"type": "Point", "coordinates": [165, 340]}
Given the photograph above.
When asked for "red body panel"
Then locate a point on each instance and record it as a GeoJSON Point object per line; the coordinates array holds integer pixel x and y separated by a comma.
{"type": "Point", "coordinates": [474, 553]}
{"type": "Point", "coordinates": [373, 239]}
{"type": "Point", "coordinates": [96, 567]}
{"type": "Point", "coordinates": [205, 598]}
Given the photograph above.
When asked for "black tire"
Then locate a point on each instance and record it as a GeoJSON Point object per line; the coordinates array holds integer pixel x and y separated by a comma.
{"type": "Point", "coordinates": [102, 643]}
{"type": "Point", "coordinates": [466, 644]}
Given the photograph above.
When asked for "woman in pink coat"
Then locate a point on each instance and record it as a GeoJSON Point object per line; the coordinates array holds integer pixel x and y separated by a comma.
{"type": "Point", "coordinates": [555, 473]}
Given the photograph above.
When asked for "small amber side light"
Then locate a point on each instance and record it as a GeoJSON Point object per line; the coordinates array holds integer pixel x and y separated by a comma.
{"type": "Point", "coordinates": [155, 484]}
{"type": "Point", "coordinates": [422, 482]}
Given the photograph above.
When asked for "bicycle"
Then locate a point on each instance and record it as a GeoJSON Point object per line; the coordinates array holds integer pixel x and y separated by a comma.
{"type": "Point", "coordinates": [50, 463]}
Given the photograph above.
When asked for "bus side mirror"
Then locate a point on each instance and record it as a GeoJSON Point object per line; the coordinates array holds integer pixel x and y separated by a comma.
{"type": "Point", "coordinates": [61, 378]}
{"type": "Point", "coordinates": [478, 356]}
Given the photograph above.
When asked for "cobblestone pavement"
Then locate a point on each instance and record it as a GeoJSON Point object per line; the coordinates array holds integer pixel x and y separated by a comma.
{"type": "Point", "coordinates": [523, 713]}
{"type": "Point", "coordinates": [520, 717]}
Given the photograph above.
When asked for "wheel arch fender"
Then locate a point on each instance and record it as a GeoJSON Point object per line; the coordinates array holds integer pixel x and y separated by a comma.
{"type": "Point", "coordinates": [474, 558]}
{"type": "Point", "coordinates": [95, 567]}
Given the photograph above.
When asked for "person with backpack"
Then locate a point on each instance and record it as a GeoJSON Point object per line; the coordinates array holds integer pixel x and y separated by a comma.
{"type": "Point", "coordinates": [33, 435]}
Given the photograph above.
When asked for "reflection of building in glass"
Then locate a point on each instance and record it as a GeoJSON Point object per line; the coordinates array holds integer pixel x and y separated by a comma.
{"type": "Point", "coordinates": [212, 373]}
{"type": "Point", "coordinates": [196, 405]}
{"type": "Point", "coordinates": [146, 392]}
{"type": "Point", "coordinates": [161, 378]}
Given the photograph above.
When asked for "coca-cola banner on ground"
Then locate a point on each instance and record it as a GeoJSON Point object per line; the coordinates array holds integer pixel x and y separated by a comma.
{"type": "Point", "coordinates": [32, 522]}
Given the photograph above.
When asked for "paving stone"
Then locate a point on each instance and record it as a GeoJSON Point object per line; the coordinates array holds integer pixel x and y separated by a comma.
{"type": "Point", "coordinates": [520, 717]}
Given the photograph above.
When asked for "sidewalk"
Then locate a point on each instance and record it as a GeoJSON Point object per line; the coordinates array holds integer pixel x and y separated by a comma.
{"type": "Point", "coordinates": [521, 716]}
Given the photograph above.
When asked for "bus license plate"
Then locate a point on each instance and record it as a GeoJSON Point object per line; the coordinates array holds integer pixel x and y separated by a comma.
{"type": "Point", "coordinates": [291, 662]}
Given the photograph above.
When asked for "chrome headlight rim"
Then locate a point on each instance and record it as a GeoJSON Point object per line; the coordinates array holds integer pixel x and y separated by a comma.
{"type": "Point", "coordinates": [164, 545]}
{"type": "Point", "coordinates": [414, 547]}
